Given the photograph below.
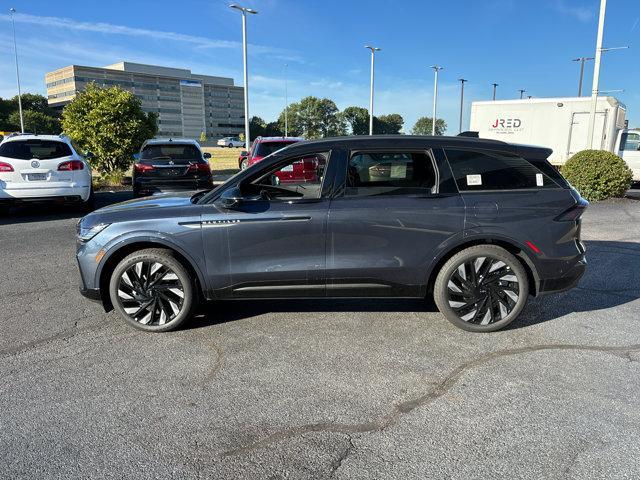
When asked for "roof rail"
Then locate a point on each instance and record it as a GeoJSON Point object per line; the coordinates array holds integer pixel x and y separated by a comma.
{"type": "Point", "coordinates": [469, 133]}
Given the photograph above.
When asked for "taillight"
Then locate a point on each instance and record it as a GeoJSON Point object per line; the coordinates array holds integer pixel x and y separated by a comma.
{"type": "Point", "coordinates": [199, 168]}
{"type": "Point", "coordinates": [572, 214]}
{"type": "Point", "coordinates": [143, 167]}
{"type": "Point", "coordinates": [5, 167]}
{"type": "Point", "coordinates": [71, 165]}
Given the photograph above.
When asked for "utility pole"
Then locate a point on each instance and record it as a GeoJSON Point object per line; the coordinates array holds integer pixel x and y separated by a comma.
{"type": "Point", "coordinates": [582, 60]}
{"type": "Point", "coordinates": [462, 82]}
{"type": "Point", "coordinates": [286, 104]}
{"type": "Point", "coordinates": [244, 11]}
{"type": "Point", "coordinates": [436, 69]}
{"type": "Point", "coordinates": [495, 85]}
{"type": "Point", "coordinates": [15, 49]}
{"type": "Point", "coordinates": [596, 73]}
{"type": "Point", "coordinates": [373, 57]}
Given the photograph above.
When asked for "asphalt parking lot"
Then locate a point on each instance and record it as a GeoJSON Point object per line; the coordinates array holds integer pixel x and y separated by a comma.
{"type": "Point", "coordinates": [318, 389]}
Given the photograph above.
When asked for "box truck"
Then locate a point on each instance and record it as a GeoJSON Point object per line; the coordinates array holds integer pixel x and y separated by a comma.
{"type": "Point", "coordinates": [560, 124]}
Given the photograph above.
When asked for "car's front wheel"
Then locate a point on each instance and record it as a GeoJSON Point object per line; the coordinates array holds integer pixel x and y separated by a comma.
{"type": "Point", "coordinates": [152, 290]}
{"type": "Point", "coordinates": [244, 164]}
{"type": "Point", "coordinates": [481, 288]}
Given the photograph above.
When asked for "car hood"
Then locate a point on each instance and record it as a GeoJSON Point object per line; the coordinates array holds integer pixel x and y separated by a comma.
{"type": "Point", "coordinates": [159, 206]}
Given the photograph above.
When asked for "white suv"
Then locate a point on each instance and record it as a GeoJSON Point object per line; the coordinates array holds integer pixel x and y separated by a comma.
{"type": "Point", "coordinates": [43, 168]}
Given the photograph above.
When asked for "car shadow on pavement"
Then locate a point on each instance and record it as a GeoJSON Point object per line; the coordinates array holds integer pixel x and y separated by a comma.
{"type": "Point", "coordinates": [47, 211]}
{"type": "Point", "coordinates": [610, 281]}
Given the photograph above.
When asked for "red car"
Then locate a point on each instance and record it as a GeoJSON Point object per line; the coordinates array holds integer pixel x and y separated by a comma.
{"type": "Point", "coordinates": [263, 146]}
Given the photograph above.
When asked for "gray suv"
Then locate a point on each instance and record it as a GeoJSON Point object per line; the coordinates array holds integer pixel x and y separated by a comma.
{"type": "Point", "coordinates": [477, 224]}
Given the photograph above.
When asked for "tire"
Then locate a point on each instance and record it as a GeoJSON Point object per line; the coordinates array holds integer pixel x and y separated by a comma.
{"type": "Point", "coordinates": [475, 288]}
{"type": "Point", "coordinates": [90, 203]}
{"type": "Point", "coordinates": [230, 145]}
{"type": "Point", "coordinates": [244, 164]}
{"type": "Point", "coordinates": [161, 307]}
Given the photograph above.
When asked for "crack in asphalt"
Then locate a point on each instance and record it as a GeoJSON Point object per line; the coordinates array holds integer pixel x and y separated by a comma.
{"type": "Point", "coordinates": [64, 335]}
{"type": "Point", "coordinates": [337, 463]}
{"type": "Point", "coordinates": [408, 406]}
{"type": "Point", "coordinates": [217, 365]}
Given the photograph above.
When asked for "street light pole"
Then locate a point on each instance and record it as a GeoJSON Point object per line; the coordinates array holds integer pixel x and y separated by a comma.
{"type": "Point", "coordinates": [581, 60]}
{"type": "Point", "coordinates": [462, 82]}
{"type": "Point", "coordinates": [495, 85]}
{"type": "Point", "coordinates": [596, 73]}
{"type": "Point", "coordinates": [436, 69]}
{"type": "Point", "coordinates": [15, 49]}
{"type": "Point", "coordinates": [521, 93]}
{"type": "Point", "coordinates": [244, 12]}
{"type": "Point", "coordinates": [373, 56]}
{"type": "Point", "coordinates": [286, 104]}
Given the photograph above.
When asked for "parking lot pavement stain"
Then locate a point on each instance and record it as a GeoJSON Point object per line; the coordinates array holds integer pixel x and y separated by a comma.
{"type": "Point", "coordinates": [439, 391]}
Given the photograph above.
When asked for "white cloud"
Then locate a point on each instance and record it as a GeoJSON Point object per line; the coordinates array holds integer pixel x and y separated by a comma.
{"type": "Point", "coordinates": [112, 29]}
{"type": "Point", "coordinates": [581, 13]}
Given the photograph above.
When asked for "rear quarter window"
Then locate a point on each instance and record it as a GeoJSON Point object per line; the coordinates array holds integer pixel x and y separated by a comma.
{"type": "Point", "coordinates": [476, 170]}
{"type": "Point", "coordinates": [40, 149]}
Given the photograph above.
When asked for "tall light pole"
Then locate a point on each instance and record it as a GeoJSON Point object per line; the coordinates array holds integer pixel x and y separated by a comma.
{"type": "Point", "coordinates": [462, 82]}
{"type": "Point", "coordinates": [495, 85]}
{"type": "Point", "coordinates": [373, 56]}
{"type": "Point", "coordinates": [596, 73]}
{"type": "Point", "coordinates": [244, 12]}
{"type": "Point", "coordinates": [436, 69]}
{"type": "Point", "coordinates": [286, 104]}
{"type": "Point", "coordinates": [15, 49]}
{"type": "Point", "coordinates": [521, 93]}
{"type": "Point", "coordinates": [581, 60]}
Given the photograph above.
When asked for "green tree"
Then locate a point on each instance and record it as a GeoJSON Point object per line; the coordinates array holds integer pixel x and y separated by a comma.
{"type": "Point", "coordinates": [358, 120]}
{"type": "Point", "coordinates": [6, 108]}
{"type": "Point", "coordinates": [273, 130]}
{"type": "Point", "coordinates": [424, 125]}
{"type": "Point", "coordinates": [110, 123]}
{"type": "Point", "coordinates": [36, 122]}
{"type": "Point", "coordinates": [313, 117]}
{"type": "Point", "coordinates": [388, 124]}
{"type": "Point", "coordinates": [257, 127]}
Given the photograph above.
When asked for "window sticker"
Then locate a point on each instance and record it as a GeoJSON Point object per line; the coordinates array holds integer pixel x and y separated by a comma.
{"type": "Point", "coordinates": [539, 180]}
{"type": "Point", "coordinates": [474, 179]}
{"type": "Point", "coordinates": [398, 171]}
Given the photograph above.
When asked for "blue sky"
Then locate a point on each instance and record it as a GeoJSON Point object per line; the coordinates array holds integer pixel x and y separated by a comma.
{"type": "Point", "coordinates": [517, 43]}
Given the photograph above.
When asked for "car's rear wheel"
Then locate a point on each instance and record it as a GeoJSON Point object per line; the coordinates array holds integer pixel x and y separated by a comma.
{"type": "Point", "coordinates": [152, 290]}
{"type": "Point", "coordinates": [481, 289]}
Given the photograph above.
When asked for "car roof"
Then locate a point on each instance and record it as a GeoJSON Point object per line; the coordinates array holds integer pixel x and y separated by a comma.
{"type": "Point", "coordinates": [419, 141]}
{"type": "Point", "coordinates": [33, 136]}
{"type": "Point", "coordinates": [179, 141]}
{"type": "Point", "coordinates": [278, 139]}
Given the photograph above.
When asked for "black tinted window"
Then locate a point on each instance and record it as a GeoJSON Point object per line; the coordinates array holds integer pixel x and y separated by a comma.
{"type": "Point", "coordinates": [174, 152]}
{"type": "Point", "coordinates": [40, 149]}
{"type": "Point", "coordinates": [267, 148]}
{"type": "Point", "coordinates": [475, 170]}
{"type": "Point", "coordinates": [390, 173]}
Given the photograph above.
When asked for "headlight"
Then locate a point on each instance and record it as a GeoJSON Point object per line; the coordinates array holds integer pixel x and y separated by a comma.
{"type": "Point", "coordinates": [87, 233]}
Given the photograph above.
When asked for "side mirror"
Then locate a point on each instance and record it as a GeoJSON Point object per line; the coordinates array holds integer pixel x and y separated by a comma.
{"type": "Point", "coordinates": [89, 155]}
{"type": "Point", "coordinates": [244, 153]}
{"type": "Point", "coordinates": [136, 156]}
{"type": "Point", "coordinates": [231, 198]}
{"type": "Point", "coordinates": [206, 155]}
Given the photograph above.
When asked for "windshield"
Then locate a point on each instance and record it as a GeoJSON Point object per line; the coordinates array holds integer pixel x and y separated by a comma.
{"type": "Point", "coordinates": [170, 152]}
{"type": "Point", "coordinates": [40, 149]}
{"type": "Point", "coordinates": [267, 148]}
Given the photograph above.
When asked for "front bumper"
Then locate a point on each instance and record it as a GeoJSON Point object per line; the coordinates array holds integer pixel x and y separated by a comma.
{"type": "Point", "coordinates": [567, 281]}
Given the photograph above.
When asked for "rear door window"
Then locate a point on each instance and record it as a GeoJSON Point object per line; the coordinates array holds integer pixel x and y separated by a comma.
{"type": "Point", "coordinates": [390, 173]}
{"type": "Point", "coordinates": [267, 148]}
{"type": "Point", "coordinates": [483, 170]}
{"type": "Point", "coordinates": [40, 149]}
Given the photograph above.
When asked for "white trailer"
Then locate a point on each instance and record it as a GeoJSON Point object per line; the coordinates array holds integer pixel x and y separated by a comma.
{"type": "Point", "coordinates": [560, 124]}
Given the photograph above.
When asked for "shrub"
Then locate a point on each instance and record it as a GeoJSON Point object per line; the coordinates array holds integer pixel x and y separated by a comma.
{"type": "Point", "coordinates": [597, 174]}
